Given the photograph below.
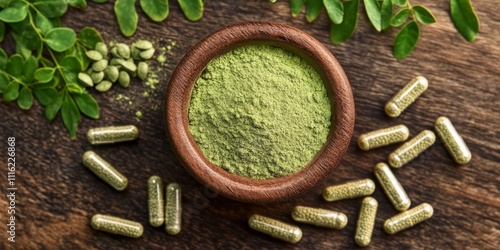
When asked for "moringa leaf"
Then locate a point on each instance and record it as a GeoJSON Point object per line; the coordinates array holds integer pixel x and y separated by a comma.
{"type": "Point", "coordinates": [464, 18]}
{"type": "Point", "coordinates": [70, 115]}
{"type": "Point", "coordinates": [423, 15]}
{"type": "Point", "coordinates": [25, 99]}
{"type": "Point", "coordinates": [126, 16]}
{"type": "Point", "coordinates": [79, 53]}
{"type": "Point", "coordinates": [30, 65]}
{"type": "Point", "coordinates": [60, 39]}
{"type": "Point", "coordinates": [15, 65]}
{"type": "Point", "coordinates": [193, 9]}
{"type": "Point", "coordinates": [11, 92]}
{"type": "Point", "coordinates": [296, 6]}
{"type": "Point", "coordinates": [45, 74]}
{"type": "Point", "coordinates": [335, 10]}
{"type": "Point", "coordinates": [157, 10]}
{"type": "Point", "coordinates": [43, 23]}
{"type": "Point", "coordinates": [45, 95]}
{"type": "Point", "coordinates": [71, 64]}
{"type": "Point", "coordinates": [406, 40]}
{"type": "Point", "coordinates": [313, 8]}
{"type": "Point", "coordinates": [3, 59]}
{"type": "Point", "coordinates": [87, 105]}
{"type": "Point", "coordinates": [51, 8]}
{"type": "Point", "coordinates": [16, 12]}
{"type": "Point", "coordinates": [400, 3]}
{"type": "Point", "coordinates": [400, 17]}
{"type": "Point", "coordinates": [81, 4]}
{"type": "Point", "coordinates": [4, 81]}
{"type": "Point", "coordinates": [386, 11]}
{"type": "Point", "coordinates": [2, 31]}
{"type": "Point", "coordinates": [373, 12]}
{"type": "Point", "coordinates": [89, 37]}
{"type": "Point", "coordinates": [53, 107]}
{"type": "Point", "coordinates": [341, 32]}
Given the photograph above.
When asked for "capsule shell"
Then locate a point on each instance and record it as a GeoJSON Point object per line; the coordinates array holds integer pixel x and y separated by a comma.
{"type": "Point", "coordinates": [411, 149]}
{"type": "Point", "coordinates": [383, 137]}
{"type": "Point", "coordinates": [173, 209]}
{"type": "Point", "coordinates": [408, 218]}
{"type": "Point", "coordinates": [113, 134]}
{"type": "Point", "coordinates": [366, 221]}
{"type": "Point", "coordinates": [406, 96]}
{"type": "Point", "coordinates": [349, 190]}
{"type": "Point", "coordinates": [104, 170]}
{"type": "Point", "coordinates": [319, 217]}
{"type": "Point", "coordinates": [452, 140]}
{"type": "Point", "coordinates": [117, 225]}
{"type": "Point", "coordinates": [275, 228]}
{"type": "Point", "coordinates": [156, 201]}
{"type": "Point", "coordinates": [392, 188]}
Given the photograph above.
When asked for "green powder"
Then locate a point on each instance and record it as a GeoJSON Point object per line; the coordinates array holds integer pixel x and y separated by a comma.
{"type": "Point", "coordinates": [260, 111]}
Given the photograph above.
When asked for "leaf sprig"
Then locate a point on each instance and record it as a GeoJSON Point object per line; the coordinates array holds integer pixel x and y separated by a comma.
{"type": "Point", "coordinates": [386, 14]}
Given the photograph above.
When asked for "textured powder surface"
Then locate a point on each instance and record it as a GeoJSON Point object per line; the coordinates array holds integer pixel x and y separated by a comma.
{"type": "Point", "coordinates": [260, 111]}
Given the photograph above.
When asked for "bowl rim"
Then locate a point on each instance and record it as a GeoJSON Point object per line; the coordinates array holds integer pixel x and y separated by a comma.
{"type": "Point", "coordinates": [237, 187]}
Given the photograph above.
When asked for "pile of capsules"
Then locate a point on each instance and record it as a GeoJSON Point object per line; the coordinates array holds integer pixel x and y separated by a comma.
{"type": "Point", "coordinates": [164, 207]}
{"type": "Point", "coordinates": [391, 186]}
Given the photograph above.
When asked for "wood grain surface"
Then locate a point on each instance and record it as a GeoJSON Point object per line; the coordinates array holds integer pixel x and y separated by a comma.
{"type": "Point", "coordinates": [57, 195]}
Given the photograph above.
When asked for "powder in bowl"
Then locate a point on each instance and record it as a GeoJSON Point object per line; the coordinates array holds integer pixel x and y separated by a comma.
{"type": "Point", "coordinates": [260, 111]}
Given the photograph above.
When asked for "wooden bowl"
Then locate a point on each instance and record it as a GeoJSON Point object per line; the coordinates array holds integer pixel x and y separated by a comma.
{"type": "Point", "coordinates": [242, 188]}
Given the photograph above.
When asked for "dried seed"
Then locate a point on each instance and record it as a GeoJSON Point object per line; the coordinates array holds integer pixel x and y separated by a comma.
{"type": "Point", "coordinates": [104, 86]}
{"type": "Point", "coordinates": [102, 48]}
{"type": "Point", "coordinates": [452, 140]}
{"type": "Point", "coordinates": [104, 170]}
{"type": "Point", "coordinates": [411, 149]}
{"type": "Point", "coordinates": [129, 65]}
{"type": "Point", "coordinates": [97, 77]}
{"type": "Point", "coordinates": [94, 55]}
{"type": "Point", "coordinates": [275, 228]}
{"type": "Point", "coordinates": [383, 137]}
{"type": "Point", "coordinates": [147, 54]}
{"type": "Point", "coordinates": [392, 188]}
{"type": "Point", "coordinates": [319, 217]}
{"type": "Point", "coordinates": [135, 53]}
{"type": "Point", "coordinates": [349, 190]}
{"type": "Point", "coordinates": [156, 201]}
{"type": "Point", "coordinates": [173, 209]}
{"type": "Point", "coordinates": [112, 73]}
{"type": "Point", "coordinates": [113, 134]}
{"type": "Point", "coordinates": [85, 79]}
{"type": "Point", "coordinates": [114, 52]}
{"type": "Point", "coordinates": [406, 96]}
{"type": "Point", "coordinates": [366, 221]}
{"type": "Point", "coordinates": [115, 225]}
{"type": "Point", "coordinates": [100, 65]}
{"type": "Point", "coordinates": [143, 44]}
{"type": "Point", "coordinates": [142, 70]}
{"type": "Point", "coordinates": [123, 50]}
{"type": "Point", "coordinates": [116, 61]}
{"type": "Point", "coordinates": [408, 218]}
{"type": "Point", "coordinates": [124, 79]}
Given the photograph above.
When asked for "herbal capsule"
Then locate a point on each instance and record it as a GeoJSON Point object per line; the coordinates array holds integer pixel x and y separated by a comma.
{"type": "Point", "coordinates": [411, 149]}
{"type": "Point", "coordinates": [173, 209]}
{"type": "Point", "coordinates": [104, 170]}
{"type": "Point", "coordinates": [117, 225]}
{"type": "Point", "coordinates": [406, 96]}
{"type": "Point", "coordinates": [392, 187]}
{"type": "Point", "coordinates": [156, 201]}
{"type": "Point", "coordinates": [275, 228]}
{"type": "Point", "coordinates": [366, 221]}
{"type": "Point", "coordinates": [452, 140]}
{"type": "Point", "coordinates": [349, 190]}
{"type": "Point", "coordinates": [113, 134]}
{"type": "Point", "coordinates": [383, 137]}
{"type": "Point", "coordinates": [319, 217]}
{"type": "Point", "coordinates": [408, 218]}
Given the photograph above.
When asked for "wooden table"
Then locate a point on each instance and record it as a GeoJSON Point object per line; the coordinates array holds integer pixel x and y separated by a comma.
{"type": "Point", "coordinates": [57, 195]}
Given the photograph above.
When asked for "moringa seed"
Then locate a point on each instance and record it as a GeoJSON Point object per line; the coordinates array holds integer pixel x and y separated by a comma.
{"type": "Point", "coordinates": [102, 48]}
{"type": "Point", "coordinates": [135, 53]}
{"type": "Point", "coordinates": [114, 52]}
{"type": "Point", "coordinates": [147, 54]}
{"type": "Point", "coordinates": [129, 65]}
{"type": "Point", "coordinates": [97, 77]}
{"type": "Point", "coordinates": [142, 70]}
{"type": "Point", "coordinates": [112, 73]}
{"type": "Point", "coordinates": [94, 55]}
{"type": "Point", "coordinates": [85, 79]}
{"type": "Point", "coordinates": [124, 79]}
{"type": "Point", "coordinates": [143, 45]}
{"type": "Point", "coordinates": [104, 86]}
{"type": "Point", "coordinates": [100, 65]}
{"type": "Point", "coordinates": [123, 50]}
{"type": "Point", "coordinates": [116, 61]}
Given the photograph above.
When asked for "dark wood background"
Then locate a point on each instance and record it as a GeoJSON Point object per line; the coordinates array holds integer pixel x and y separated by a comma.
{"type": "Point", "coordinates": [57, 195]}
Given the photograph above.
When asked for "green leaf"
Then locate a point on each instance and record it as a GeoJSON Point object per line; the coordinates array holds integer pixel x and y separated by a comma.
{"type": "Point", "coordinates": [99, 1]}
{"type": "Point", "coordinates": [373, 12]}
{"type": "Point", "coordinates": [45, 74]}
{"type": "Point", "coordinates": [335, 10]}
{"type": "Point", "coordinates": [89, 37]}
{"type": "Point", "coordinates": [464, 18]}
{"type": "Point", "coordinates": [79, 53]}
{"type": "Point", "coordinates": [157, 10]}
{"type": "Point", "coordinates": [71, 64]}
{"type": "Point", "coordinates": [400, 17]}
{"type": "Point", "coordinates": [3, 59]}
{"type": "Point", "coordinates": [386, 11]}
{"type": "Point", "coordinates": [193, 9]}
{"type": "Point", "coordinates": [2, 31]}
{"type": "Point", "coordinates": [400, 3]}
{"type": "Point", "coordinates": [16, 12]}
{"type": "Point", "coordinates": [30, 65]}
{"type": "Point", "coordinates": [75, 88]}
{"type": "Point", "coordinates": [77, 3]}
{"type": "Point", "coordinates": [25, 99]}
{"type": "Point", "coordinates": [51, 8]}
{"type": "Point", "coordinates": [53, 107]}
{"type": "Point", "coordinates": [45, 95]}
{"type": "Point", "coordinates": [341, 32]}
{"type": "Point", "coordinates": [87, 105]}
{"type": "Point", "coordinates": [60, 39]}
{"type": "Point", "coordinates": [406, 40]}
{"type": "Point", "coordinates": [43, 23]}
{"type": "Point", "coordinates": [126, 16]}
{"type": "Point", "coordinates": [423, 15]}
{"type": "Point", "coordinates": [15, 65]}
{"type": "Point", "coordinates": [4, 3]}
{"type": "Point", "coordinates": [313, 8]}
{"type": "Point", "coordinates": [70, 115]}
{"type": "Point", "coordinates": [296, 6]}
{"type": "Point", "coordinates": [11, 92]}
{"type": "Point", "coordinates": [4, 81]}
{"type": "Point", "coordinates": [26, 37]}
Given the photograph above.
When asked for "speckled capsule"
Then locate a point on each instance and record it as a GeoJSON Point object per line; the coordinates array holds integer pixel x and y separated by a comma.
{"type": "Point", "coordinates": [173, 209]}
{"type": "Point", "coordinates": [452, 140]}
{"type": "Point", "coordinates": [406, 96]}
{"type": "Point", "coordinates": [408, 218]}
{"type": "Point", "coordinates": [104, 170]}
{"type": "Point", "coordinates": [391, 186]}
{"type": "Point", "coordinates": [411, 149]}
{"type": "Point", "coordinates": [275, 228]}
{"type": "Point", "coordinates": [383, 137]}
{"type": "Point", "coordinates": [113, 134]}
{"type": "Point", "coordinates": [319, 217]}
{"type": "Point", "coordinates": [117, 225]}
{"type": "Point", "coordinates": [349, 190]}
{"type": "Point", "coordinates": [156, 201]}
{"type": "Point", "coordinates": [366, 221]}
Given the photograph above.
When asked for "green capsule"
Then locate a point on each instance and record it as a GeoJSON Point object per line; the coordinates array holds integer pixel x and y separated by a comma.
{"type": "Point", "coordinates": [411, 149]}
{"type": "Point", "coordinates": [408, 218]}
{"type": "Point", "coordinates": [102, 48]}
{"type": "Point", "coordinates": [319, 217]}
{"type": "Point", "coordinates": [104, 170]}
{"type": "Point", "coordinates": [142, 70]}
{"type": "Point", "coordinates": [366, 221]}
{"type": "Point", "coordinates": [383, 137]}
{"type": "Point", "coordinates": [452, 140]}
{"type": "Point", "coordinates": [156, 201]}
{"type": "Point", "coordinates": [123, 50]}
{"type": "Point", "coordinates": [115, 225]}
{"type": "Point", "coordinates": [147, 54]}
{"type": "Point", "coordinates": [112, 73]}
{"type": "Point", "coordinates": [97, 77]}
{"type": "Point", "coordinates": [275, 228]}
{"type": "Point", "coordinates": [100, 65]}
{"type": "Point", "coordinates": [392, 188]}
{"type": "Point", "coordinates": [94, 55]}
{"type": "Point", "coordinates": [406, 96]}
{"type": "Point", "coordinates": [124, 79]}
{"type": "Point", "coordinates": [173, 209]}
{"type": "Point", "coordinates": [113, 134]}
{"type": "Point", "coordinates": [85, 79]}
{"type": "Point", "coordinates": [349, 190]}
